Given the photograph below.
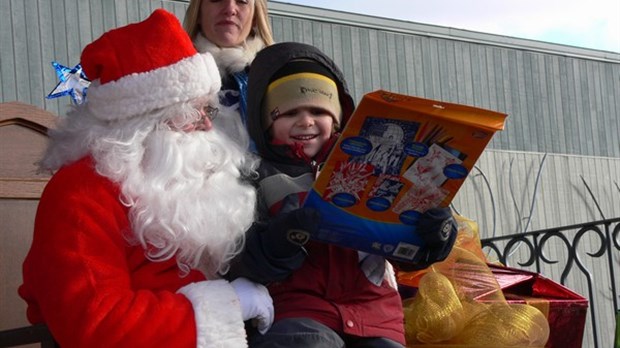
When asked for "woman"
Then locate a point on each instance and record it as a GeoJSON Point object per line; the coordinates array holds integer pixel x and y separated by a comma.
{"type": "Point", "coordinates": [233, 31]}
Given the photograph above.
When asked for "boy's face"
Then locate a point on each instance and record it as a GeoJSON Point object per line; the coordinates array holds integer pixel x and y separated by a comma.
{"type": "Point", "coordinates": [308, 125]}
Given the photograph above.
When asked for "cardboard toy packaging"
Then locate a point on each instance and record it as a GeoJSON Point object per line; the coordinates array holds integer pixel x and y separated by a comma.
{"type": "Point", "coordinates": [397, 157]}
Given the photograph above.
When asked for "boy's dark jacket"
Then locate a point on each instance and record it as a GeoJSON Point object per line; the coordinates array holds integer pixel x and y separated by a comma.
{"type": "Point", "coordinates": [322, 282]}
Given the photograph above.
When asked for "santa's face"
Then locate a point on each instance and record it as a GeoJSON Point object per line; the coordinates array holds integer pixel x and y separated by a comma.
{"type": "Point", "coordinates": [185, 191]}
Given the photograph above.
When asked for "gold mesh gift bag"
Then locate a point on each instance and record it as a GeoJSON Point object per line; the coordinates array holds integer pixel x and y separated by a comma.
{"type": "Point", "coordinates": [443, 313]}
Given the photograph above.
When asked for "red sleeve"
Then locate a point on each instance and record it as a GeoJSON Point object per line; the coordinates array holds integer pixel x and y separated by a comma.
{"type": "Point", "coordinates": [77, 278]}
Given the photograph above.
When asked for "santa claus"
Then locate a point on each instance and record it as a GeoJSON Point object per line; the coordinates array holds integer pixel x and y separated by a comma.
{"type": "Point", "coordinates": [148, 189]}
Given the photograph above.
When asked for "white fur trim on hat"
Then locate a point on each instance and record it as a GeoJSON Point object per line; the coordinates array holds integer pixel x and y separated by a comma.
{"type": "Point", "coordinates": [218, 314]}
{"type": "Point", "coordinates": [139, 93]}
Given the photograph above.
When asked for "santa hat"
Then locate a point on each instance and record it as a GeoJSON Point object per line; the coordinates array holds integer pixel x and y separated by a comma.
{"type": "Point", "coordinates": [145, 66]}
{"type": "Point", "coordinates": [302, 82]}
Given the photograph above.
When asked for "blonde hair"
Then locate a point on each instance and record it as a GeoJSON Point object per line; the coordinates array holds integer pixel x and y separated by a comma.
{"type": "Point", "coordinates": [262, 26]}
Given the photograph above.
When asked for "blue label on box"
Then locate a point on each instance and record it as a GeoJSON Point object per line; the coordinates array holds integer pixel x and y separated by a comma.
{"type": "Point", "coordinates": [416, 149]}
{"type": "Point", "coordinates": [356, 146]}
{"type": "Point", "coordinates": [409, 217]}
{"type": "Point", "coordinates": [455, 171]}
{"type": "Point", "coordinates": [378, 204]}
{"type": "Point", "coordinates": [344, 200]}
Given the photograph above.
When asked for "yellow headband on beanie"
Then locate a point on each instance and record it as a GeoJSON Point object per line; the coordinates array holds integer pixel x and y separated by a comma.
{"type": "Point", "coordinates": [301, 89]}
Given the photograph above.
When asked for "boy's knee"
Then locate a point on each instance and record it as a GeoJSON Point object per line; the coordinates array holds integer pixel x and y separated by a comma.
{"type": "Point", "coordinates": [299, 333]}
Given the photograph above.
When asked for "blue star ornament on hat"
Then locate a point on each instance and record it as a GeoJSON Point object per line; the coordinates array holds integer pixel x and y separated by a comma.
{"type": "Point", "coordinates": [146, 66]}
{"type": "Point", "coordinates": [73, 82]}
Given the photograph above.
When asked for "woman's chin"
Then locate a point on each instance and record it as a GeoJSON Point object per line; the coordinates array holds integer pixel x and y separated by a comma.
{"type": "Point", "coordinates": [227, 36]}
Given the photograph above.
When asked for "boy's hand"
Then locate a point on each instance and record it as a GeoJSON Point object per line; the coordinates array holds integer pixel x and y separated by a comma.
{"type": "Point", "coordinates": [288, 232]}
{"type": "Point", "coordinates": [438, 229]}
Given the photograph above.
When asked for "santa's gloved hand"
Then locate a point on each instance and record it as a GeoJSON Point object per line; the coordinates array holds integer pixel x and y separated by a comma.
{"type": "Point", "coordinates": [286, 233]}
{"type": "Point", "coordinates": [438, 229]}
{"type": "Point", "coordinates": [256, 303]}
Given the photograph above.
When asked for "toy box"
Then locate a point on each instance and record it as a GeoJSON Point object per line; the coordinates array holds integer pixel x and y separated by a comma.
{"type": "Point", "coordinates": [397, 157]}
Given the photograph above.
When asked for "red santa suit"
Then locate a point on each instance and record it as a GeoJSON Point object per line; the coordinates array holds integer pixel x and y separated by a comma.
{"type": "Point", "coordinates": [89, 276]}
{"type": "Point", "coordinates": [82, 278]}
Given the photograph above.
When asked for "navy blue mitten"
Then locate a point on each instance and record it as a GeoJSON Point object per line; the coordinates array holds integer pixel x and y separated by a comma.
{"type": "Point", "coordinates": [438, 229]}
{"type": "Point", "coordinates": [274, 248]}
{"type": "Point", "coordinates": [286, 233]}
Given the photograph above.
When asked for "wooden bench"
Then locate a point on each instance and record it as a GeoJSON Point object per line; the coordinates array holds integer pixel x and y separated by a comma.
{"type": "Point", "coordinates": [23, 138]}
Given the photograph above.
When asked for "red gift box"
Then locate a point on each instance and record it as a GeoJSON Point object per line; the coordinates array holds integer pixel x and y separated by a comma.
{"type": "Point", "coordinates": [565, 310]}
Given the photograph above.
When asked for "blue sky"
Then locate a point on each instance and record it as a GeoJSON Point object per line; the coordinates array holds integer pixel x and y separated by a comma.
{"type": "Point", "coordinates": [589, 24]}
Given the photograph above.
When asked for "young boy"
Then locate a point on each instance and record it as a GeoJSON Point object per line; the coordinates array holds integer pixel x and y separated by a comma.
{"type": "Point", "coordinates": [323, 295]}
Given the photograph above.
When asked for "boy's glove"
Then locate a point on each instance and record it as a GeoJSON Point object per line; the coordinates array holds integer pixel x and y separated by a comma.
{"type": "Point", "coordinates": [438, 229]}
{"type": "Point", "coordinates": [256, 303]}
{"type": "Point", "coordinates": [274, 248]}
{"type": "Point", "coordinates": [287, 233]}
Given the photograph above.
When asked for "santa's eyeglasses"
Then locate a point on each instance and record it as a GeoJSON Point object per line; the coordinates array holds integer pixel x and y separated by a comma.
{"type": "Point", "coordinates": [211, 112]}
{"type": "Point", "coordinates": [208, 112]}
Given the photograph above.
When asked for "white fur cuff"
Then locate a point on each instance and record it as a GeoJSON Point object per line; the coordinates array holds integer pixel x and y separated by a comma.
{"type": "Point", "coordinates": [218, 314]}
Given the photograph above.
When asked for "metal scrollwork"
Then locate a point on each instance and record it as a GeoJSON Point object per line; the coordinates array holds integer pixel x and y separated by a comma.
{"type": "Point", "coordinates": [601, 238]}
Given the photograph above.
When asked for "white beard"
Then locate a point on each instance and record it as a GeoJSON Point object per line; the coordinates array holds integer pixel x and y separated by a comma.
{"type": "Point", "coordinates": [184, 190]}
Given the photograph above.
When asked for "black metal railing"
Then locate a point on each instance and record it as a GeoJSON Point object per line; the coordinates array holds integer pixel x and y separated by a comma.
{"type": "Point", "coordinates": [532, 251]}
